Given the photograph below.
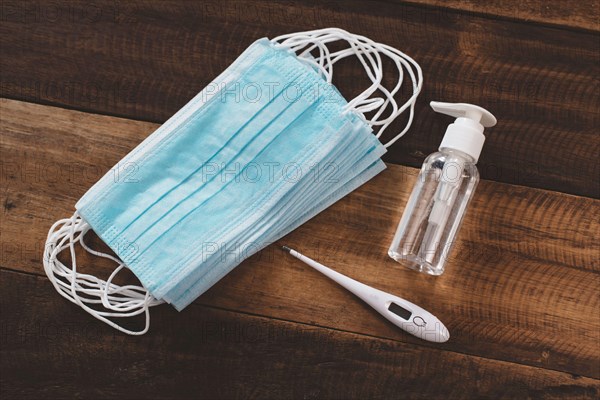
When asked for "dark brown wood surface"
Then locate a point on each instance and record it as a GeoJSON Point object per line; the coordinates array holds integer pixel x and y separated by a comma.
{"type": "Point", "coordinates": [144, 60]}
{"type": "Point", "coordinates": [522, 289]}
{"type": "Point", "coordinates": [212, 353]}
{"type": "Point", "coordinates": [521, 295]}
{"type": "Point", "coordinates": [566, 14]}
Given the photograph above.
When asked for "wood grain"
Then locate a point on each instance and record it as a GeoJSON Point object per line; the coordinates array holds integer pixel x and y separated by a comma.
{"type": "Point", "coordinates": [522, 285]}
{"type": "Point", "coordinates": [49, 350]}
{"type": "Point", "coordinates": [566, 14]}
{"type": "Point", "coordinates": [145, 60]}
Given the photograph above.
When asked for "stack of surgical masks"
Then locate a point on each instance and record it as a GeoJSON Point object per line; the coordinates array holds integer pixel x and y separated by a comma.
{"type": "Point", "coordinates": [266, 146]}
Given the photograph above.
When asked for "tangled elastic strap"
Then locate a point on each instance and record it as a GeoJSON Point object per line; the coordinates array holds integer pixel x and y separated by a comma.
{"type": "Point", "coordinates": [88, 291]}
{"type": "Point", "coordinates": [369, 54]}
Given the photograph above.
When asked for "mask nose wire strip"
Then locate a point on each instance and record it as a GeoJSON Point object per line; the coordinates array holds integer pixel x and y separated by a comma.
{"type": "Point", "coordinates": [360, 46]}
{"type": "Point", "coordinates": [85, 290]}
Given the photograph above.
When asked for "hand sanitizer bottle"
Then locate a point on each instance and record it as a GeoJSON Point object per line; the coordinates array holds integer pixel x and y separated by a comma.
{"type": "Point", "coordinates": [443, 190]}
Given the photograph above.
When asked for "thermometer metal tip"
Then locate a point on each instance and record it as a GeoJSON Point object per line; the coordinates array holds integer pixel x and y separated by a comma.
{"type": "Point", "coordinates": [402, 313]}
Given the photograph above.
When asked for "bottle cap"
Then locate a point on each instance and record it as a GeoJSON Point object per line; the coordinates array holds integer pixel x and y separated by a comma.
{"type": "Point", "coordinates": [466, 133]}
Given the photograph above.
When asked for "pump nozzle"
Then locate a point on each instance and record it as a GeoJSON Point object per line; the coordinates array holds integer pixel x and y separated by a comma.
{"type": "Point", "coordinates": [465, 110]}
{"type": "Point", "coordinates": [466, 133]}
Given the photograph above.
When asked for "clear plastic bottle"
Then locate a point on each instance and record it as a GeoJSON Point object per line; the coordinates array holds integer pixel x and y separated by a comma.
{"type": "Point", "coordinates": [444, 188]}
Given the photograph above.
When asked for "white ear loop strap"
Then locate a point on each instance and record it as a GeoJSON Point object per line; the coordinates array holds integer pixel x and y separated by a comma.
{"type": "Point", "coordinates": [297, 41]}
{"type": "Point", "coordinates": [369, 54]}
{"type": "Point", "coordinates": [85, 289]}
{"type": "Point", "coordinates": [376, 79]}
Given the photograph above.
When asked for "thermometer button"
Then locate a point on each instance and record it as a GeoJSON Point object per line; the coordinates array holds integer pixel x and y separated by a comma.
{"type": "Point", "coordinates": [418, 321]}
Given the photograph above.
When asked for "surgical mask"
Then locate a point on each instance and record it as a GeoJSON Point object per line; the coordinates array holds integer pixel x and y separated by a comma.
{"type": "Point", "coordinates": [266, 146]}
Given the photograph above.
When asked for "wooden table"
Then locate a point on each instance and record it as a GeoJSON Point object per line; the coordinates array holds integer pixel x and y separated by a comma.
{"type": "Point", "coordinates": [82, 84]}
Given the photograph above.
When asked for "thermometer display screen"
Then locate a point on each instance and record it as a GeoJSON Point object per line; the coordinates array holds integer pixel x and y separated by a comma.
{"type": "Point", "coordinates": [399, 311]}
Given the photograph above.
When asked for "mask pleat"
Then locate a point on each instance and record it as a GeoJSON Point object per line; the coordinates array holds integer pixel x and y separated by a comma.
{"type": "Point", "coordinates": [310, 190]}
{"type": "Point", "coordinates": [249, 199]}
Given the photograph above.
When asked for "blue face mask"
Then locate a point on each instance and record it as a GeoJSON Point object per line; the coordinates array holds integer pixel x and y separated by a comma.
{"type": "Point", "coordinates": [295, 207]}
{"type": "Point", "coordinates": [266, 146]}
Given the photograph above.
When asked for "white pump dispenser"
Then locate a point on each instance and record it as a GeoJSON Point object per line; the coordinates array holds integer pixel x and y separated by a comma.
{"type": "Point", "coordinates": [466, 133]}
{"type": "Point", "coordinates": [447, 181]}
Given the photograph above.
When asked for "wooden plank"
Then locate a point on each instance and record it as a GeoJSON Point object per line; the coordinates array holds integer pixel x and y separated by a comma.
{"type": "Point", "coordinates": [50, 351]}
{"type": "Point", "coordinates": [146, 60]}
{"type": "Point", "coordinates": [568, 14]}
{"type": "Point", "coordinates": [522, 285]}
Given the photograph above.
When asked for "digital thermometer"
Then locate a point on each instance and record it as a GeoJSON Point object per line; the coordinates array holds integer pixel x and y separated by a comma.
{"type": "Point", "coordinates": [404, 314]}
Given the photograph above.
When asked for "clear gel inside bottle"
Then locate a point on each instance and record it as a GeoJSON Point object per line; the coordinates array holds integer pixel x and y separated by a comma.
{"type": "Point", "coordinates": [427, 231]}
